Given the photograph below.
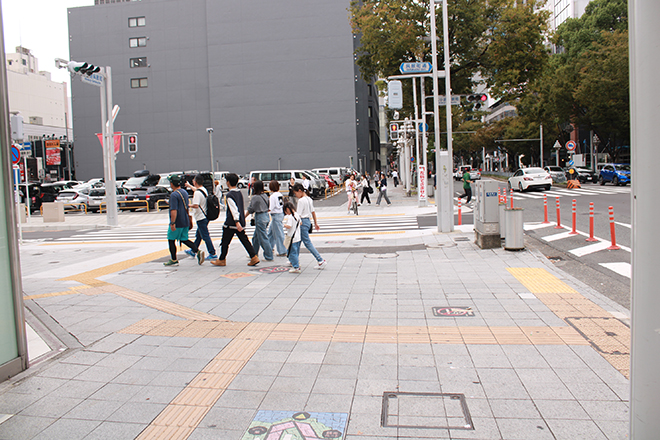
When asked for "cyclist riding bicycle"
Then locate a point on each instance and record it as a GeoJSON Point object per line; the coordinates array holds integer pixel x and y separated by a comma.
{"type": "Point", "coordinates": [351, 191]}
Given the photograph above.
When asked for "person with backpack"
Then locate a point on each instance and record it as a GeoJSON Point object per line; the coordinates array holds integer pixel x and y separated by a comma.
{"type": "Point", "coordinates": [200, 207]}
{"type": "Point", "coordinates": [179, 223]}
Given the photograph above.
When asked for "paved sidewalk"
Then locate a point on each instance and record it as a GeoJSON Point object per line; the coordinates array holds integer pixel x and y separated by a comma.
{"type": "Point", "coordinates": [409, 335]}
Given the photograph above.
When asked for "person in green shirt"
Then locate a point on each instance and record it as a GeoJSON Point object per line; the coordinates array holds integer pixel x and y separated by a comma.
{"type": "Point", "coordinates": [466, 186]}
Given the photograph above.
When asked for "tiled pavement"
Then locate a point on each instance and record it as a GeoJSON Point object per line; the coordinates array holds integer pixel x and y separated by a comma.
{"type": "Point", "coordinates": [202, 353]}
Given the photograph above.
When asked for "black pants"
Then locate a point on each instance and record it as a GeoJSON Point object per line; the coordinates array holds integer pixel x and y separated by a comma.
{"type": "Point", "coordinates": [468, 194]}
{"type": "Point", "coordinates": [228, 234]}
{"type": "Point", "coordinates": [188, 243]}
{"type": "Point", "coordinates": [365, 195]}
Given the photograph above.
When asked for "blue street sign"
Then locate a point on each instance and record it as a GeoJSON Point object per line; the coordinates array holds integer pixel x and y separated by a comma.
{"type": "Point", "coordinates": [412, 159]}
{"type": "Point", "coordinates": [571, 163]}
{"type": "Point", "coordinates": [15, 155]}
{"type": "Point", "coordinates": [415, 67]}
{"type": "Point", "coordinates": [423, 127]}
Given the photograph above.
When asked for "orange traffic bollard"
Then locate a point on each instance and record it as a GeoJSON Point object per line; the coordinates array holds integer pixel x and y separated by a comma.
{"type": "Point", "coordinates": [460, 221]}
{"type": "Point", "coordinates": [613, 247]}
{"type": "Point", "coordinates": [558, 216]}
{"type": "Point", "coordinates": [545, 209]}
{"type": "Point", "coordinates": [511, 197]}
{"type": "Point", "coordinates": [573, 231]}
{"type": "Point", "coordinates": [591, 222]}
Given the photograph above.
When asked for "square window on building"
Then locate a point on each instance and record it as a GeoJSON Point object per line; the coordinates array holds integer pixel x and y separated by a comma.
{"type": "Point", "coordinates": [138, 83]}
{"type": "Point", "coordinates": [137, 42]}
{"type": "Point", "coordinates": [138, 62]}
{"type": "Point", "coordinates": [137, 22]}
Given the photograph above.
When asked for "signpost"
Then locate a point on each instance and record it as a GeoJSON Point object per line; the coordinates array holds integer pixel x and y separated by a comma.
{"type": "Point", "coordinates": [421, 182]}
{"type": "Point", "coordinates": [455, 100]}
{"type": "Point", "coordinates": [570, 146]}
{"type": "Point", "coordinates": [15, 155]}
{"type": "Point", "coordinates": [415, 67]}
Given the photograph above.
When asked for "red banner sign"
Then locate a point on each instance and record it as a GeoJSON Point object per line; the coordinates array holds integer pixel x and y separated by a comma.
{"type": "Point", "coordinates": [117, 137]}
{"type": "Point", "coordinates": [53, 156]}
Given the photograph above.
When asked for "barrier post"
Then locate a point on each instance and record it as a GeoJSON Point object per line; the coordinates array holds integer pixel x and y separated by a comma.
{"type": "Point", "coordinates": [545, 209]}
{"type": "Point", "coordinates": [591, 222]}
{"type": "Point", "coordinates": [460, 222]}
{"type": "Point", "coordinates": [574, 211]}
{"type": "Point", "coordinates": [511, 197]}
{"type": "Point", "coordinates": [613, 247]}
{"type": "Point", "coordinates": [558, 216]}
{"type": "Point", "coordinates": [499, 195]}
{"type": "Point", "coordinates": [504, 196]}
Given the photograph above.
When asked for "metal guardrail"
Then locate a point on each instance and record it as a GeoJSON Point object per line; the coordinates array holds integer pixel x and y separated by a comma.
{"type": "Point", "coordinates": [333, 191]}
{"type": "Point", "coordinates": [158, 204]}
{"type": "Point", "coordinates": [133, 204]}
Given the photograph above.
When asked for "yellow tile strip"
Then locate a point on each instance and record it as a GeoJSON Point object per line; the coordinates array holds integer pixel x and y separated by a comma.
{"type": "Point", "coordinates": [186, 411]}
{"type": "Point", "coordinates": [608, 335]}
{"type": "Point", "coordinates": [167, 306]}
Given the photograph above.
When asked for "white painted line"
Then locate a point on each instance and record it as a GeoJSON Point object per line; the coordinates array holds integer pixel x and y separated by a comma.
{"type": "Point", "coordinates": [533, 227]}
{"type": "Point", "coordinates": [623, 269]}
{"type": "Point", "coordinates": [559, 236]}
{"type": "Point", "coordinates": [618, 315]}
{"type": "Point", "coordinates": [590, 249]}
{"type": "Point", "coordinates": [625, 225]}
{"type": "Point", "coordinates": [527, 295]}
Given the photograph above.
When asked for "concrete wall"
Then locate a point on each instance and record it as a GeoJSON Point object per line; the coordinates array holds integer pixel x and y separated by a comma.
{"type": "Point", "coordinates": [274, 80]}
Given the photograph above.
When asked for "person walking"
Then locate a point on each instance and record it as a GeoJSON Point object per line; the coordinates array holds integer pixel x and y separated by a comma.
{"type": "Point", "coordinates": [351, 191]}
{"type": "Point", "coordinates": [305, 182]}
{"type": "Point", "coordinates": [395, 177]}
{"type": "Point", "coordinates": [306, 212]}
{"type": "Point", "coordinates": [382, 192]}
{"type": "Point", "coordinates": [466, 186]}
{"type": "Point", "coordinates": [199, 214]}
{"type": "Point", "coordinates": [365, 183]}
{"type": "Point", "coordinates": [234, 224]}
{"type": "Point", "coordinates": [276, 231]}
{"type": "Point", "coordinates": [292, 224]}
{"type": "Point", "coordinates": [179, 223]}
{"type": "Point", "coordinates": [259, 209]}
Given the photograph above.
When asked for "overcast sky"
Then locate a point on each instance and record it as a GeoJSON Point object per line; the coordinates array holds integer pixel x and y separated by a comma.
{"type": "Point", "coordinates": [42, 27]}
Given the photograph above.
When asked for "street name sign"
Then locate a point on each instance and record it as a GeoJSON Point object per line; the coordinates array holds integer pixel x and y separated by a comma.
{"type": "Point", "coordinates": [415, 68]}
{"type": "Point", "coordinates": [94, 79]}
{"type": "Point", "coordinates": [455, 100]}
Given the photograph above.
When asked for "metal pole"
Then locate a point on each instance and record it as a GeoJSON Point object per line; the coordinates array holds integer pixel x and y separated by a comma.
{"type": "Point", "coordinates": [591, 149]}
{"type": "Point", "coordinates": [446, 185]}
{"type": "Point", "coordinates": [416, 123]}
{"type": "Point", "coordinates": [210, 131]}
{"type": "Point", "coordinates": [541, 145]}
{"type": "Point", "coordinates": [110, 182]}
{"type": "Point", "coordinates": [645, 305]}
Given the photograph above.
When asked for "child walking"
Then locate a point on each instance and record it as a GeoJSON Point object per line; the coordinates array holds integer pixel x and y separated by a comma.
{"type": "Point", "coordinates": [291, 223]}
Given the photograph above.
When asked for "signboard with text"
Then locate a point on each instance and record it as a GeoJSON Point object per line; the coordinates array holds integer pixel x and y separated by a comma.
{"type": "Point", "coordinates": [53, 156]}
{"type": "Point", "coordinates": [422, 182]}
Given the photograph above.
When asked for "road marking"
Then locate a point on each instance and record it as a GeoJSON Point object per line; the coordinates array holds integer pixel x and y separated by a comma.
{"type": "Point", "coordinates": [559, 236]}
{"type": "Point", "coordinates": [532, 227]}
{"type": "Point", "coordinates": [589, 249]}
{"type": "Point", "coordinates": [625, 225]}
{"type": "Point", "coordinates": [622, 268]}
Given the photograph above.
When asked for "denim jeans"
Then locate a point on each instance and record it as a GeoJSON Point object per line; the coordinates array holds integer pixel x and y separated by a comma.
{"type": "Point", "coordinates": [304, 229]}
{"type": "Point", "coordinates": [276, 233]}
{"type": "Point", "coordinates": [294, 255]}
{"type": "Point", "coordinates": [202, 233]}
{"type": "Point", "coordinates": [260, 237]}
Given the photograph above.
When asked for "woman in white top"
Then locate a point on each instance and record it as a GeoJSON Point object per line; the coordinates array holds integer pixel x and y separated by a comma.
{"type": "Point", "coordinates": [292, 224]}
{"type": "Point", "coordinates": [306, 212]}
{"type": "Point", "coordinates": [351, 191]}
{"type": "Point", "coordinates": [275, 231]}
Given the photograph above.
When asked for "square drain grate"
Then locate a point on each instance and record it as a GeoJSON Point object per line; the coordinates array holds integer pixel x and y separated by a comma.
{"type": "Point", "coordinates": [425, 411]}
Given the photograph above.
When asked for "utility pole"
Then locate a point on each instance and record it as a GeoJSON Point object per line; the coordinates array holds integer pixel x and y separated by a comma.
{"type": "Point", "coordinates": [210, 132]}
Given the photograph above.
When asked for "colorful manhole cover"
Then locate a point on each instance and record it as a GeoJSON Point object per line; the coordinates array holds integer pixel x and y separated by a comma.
{"type": "Point", "coordinates": [272, 269]}
{"type": "Point", "coordinates": [452, 311]}
{"type": "Point", "coordinates": [234, 276]}
{"type": "Point", "coordinates": [290, 425]}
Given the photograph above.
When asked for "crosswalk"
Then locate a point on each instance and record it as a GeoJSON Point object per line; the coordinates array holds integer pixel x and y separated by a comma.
{"type": "Point", "coordinates": [344, 225]}
{"type": "Point", "coordinates": [586, 190]}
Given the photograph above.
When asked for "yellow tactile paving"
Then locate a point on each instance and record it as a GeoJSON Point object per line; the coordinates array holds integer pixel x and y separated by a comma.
{"type": "Point", "coordinates": [540, 280]}
{"type": "Point", "coordinates": [167, 306]}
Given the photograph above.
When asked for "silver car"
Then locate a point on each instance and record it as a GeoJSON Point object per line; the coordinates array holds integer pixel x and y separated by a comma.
{"type": "Point", "coordinates": [75, 198]}
{"type": "Point", "coordinates": [97, 198]}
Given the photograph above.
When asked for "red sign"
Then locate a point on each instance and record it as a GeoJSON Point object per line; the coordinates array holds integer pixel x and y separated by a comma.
{"type": "Point", "coordinates": [53, 156]}
{"type": "Point", "coordinates": [117, 137]}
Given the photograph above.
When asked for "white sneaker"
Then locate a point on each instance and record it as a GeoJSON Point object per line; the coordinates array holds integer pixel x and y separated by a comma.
{"type": "Point", "coordinates": [294, 270]}
{"type": "Point", "coordinates": [321, 265]}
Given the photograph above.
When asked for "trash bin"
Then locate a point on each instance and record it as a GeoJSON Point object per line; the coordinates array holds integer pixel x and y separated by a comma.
{"type": "Point", "coordinates": [53, 212]}
{"type": "Point", "coordinates": [502, 207]}
{"type": "Point", "coordinates": [514, 240]}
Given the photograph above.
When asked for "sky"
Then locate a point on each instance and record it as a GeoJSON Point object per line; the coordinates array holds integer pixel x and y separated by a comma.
{"type": "Point", "coordinates": [42, 27]}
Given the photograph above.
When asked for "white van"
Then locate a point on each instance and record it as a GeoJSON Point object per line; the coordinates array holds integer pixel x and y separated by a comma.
{"type": "Point", "coordinates": [336, 173]}
{"type": "Point", "coordinates": [316, 187]}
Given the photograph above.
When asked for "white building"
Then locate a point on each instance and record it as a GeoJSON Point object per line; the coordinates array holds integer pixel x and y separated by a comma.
{"type": "Point", "coordinates": [564, 9]}
{"type": "Point", "coordinates": [43, 103]}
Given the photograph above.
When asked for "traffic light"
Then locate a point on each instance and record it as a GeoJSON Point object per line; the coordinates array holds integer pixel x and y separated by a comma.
{"type": "Point", "coordinates": [478, 100]}
{"type": "Point", "coordinates": [394, 131]}
{"type": "Point", "coordinates": [79, 68]}
{"type": "Point", "coordinates": [132, 143]}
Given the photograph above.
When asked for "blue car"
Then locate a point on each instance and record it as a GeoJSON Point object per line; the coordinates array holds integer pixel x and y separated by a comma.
{"type": "Point", "coordinates": [617, 173]}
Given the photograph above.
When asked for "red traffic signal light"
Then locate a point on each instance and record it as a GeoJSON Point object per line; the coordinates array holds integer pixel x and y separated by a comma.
{"type": "Point", "coordinates": [132, 143]}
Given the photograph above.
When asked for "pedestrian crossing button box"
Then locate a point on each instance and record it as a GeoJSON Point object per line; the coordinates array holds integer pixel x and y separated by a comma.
{"type": "Point", "coordinates": [486, 215]}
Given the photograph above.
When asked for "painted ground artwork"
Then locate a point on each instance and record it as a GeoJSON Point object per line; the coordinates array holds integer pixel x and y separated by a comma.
{"type": "Point", "coordinates": [289, 425]}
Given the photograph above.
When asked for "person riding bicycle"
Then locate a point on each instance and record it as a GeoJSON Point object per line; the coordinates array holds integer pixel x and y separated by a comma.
{"type": "Point", "coordinates": [351, 191]}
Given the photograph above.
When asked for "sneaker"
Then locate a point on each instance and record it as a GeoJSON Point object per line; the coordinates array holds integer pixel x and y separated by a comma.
{"type": "Point", "coordinates": [212, 257]}
{"type": "Point", "coordinates": [200, 257]}
{"type": "Point", "coordinates": [190, 253]}
{"type": "Point", "coordinates": [294, 270]}
{"type": "Point", "coordinates": [321, 265]}
{"type": "Point", "coordinates": [254, 261]}
{"type": "Point", "coordinates": [171, 263]}
{"type": "Point", "coordinates": [219, 262]}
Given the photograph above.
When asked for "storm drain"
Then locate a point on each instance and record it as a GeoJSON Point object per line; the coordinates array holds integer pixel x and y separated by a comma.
{"type": "Point", "coordinates": [425, 411]}
{"type": "Point", "coordinates": [440, 245]}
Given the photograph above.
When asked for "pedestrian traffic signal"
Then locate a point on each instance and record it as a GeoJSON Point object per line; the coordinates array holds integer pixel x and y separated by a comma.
{"type": "Point", "coordinates": [394, 131]}
{"type": "Point", "coordinates": [79, 68]}
{"type": "Point", "coordinates": [132, 143]}
{"type": "Point", "coordinates": [478, 100]}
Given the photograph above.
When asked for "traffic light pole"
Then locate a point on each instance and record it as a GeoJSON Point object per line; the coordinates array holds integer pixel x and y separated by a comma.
{"type": "Point", "coordinates": [108, 148]}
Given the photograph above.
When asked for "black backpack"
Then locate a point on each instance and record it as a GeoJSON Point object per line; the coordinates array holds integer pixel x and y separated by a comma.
{"type": "Point", "coordinates": [212, 207]}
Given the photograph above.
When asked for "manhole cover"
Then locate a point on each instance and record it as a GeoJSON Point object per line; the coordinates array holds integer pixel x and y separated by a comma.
{"type": "Point", "coordinates": [364, 238]}
{"type": "Point", "coordinates": [272, 269]}
{"type": "Point", "coordinates": [440, 245]}
{"type": "Point", "coordinates": [237, 275]}
{"type": "Point", "coordinates": [461, 238]}
{"type": "Point", "coordinates": [381, 256]}
{"type": "Point", "coordinates": [425, 411]}
{"type": "Point", "coordinates": [298, 425]}
{"type": "Point", "coordinates": [452, 312]}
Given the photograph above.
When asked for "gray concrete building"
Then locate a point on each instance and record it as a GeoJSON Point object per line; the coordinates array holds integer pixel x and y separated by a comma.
{"type": "Point", "coordinates": [275, 80]}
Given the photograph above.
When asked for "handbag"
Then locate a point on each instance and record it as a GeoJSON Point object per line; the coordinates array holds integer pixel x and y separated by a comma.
{"type": "Point", "coordinates": [311, 228]}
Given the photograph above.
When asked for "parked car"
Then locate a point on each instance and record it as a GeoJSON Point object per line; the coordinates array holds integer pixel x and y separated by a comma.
{"type": "Point", "coordinates": [317, 184]}
{"type": "Point", "coordinates": [49, 191]}
{"type": "Point", "coordinates": [75, 198]}
{"type": "Point", "coordinates": [583, 174]}
{"type": "Point", "coordinates": [336, 173]}
{"type": "Point", "coordinates": [142, 180]}
{"type": "Point", "coordinates": [97, 197]}
{"type": "Point", "coordinates": [617, 173]}
{"type": "Point", "coordinates": [475, 174]}
{"type": "Point", "coordinates": [530, 178]}
{"type": "Point", "coordinates": [189, 177]}
{"type": "Point", "coordinates": [150, 194]}
{"type": "Point", "coordinates": [557, 173]}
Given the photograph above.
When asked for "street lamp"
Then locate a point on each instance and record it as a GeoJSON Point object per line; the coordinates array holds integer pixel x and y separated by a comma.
{"type": "Point", "coordinates": [210, 132]}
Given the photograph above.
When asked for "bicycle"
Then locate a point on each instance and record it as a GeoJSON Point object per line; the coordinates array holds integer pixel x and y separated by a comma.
{"type": "Point", "coordinates": [355, 203]}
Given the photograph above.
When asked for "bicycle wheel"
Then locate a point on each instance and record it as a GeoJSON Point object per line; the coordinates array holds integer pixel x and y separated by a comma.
{"type": "Point", "coordinates": [355, 206]}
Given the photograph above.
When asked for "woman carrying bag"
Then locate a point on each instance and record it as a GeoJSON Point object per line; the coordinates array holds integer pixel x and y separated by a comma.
{"type": "Point", "coordinates": [259, 208]}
